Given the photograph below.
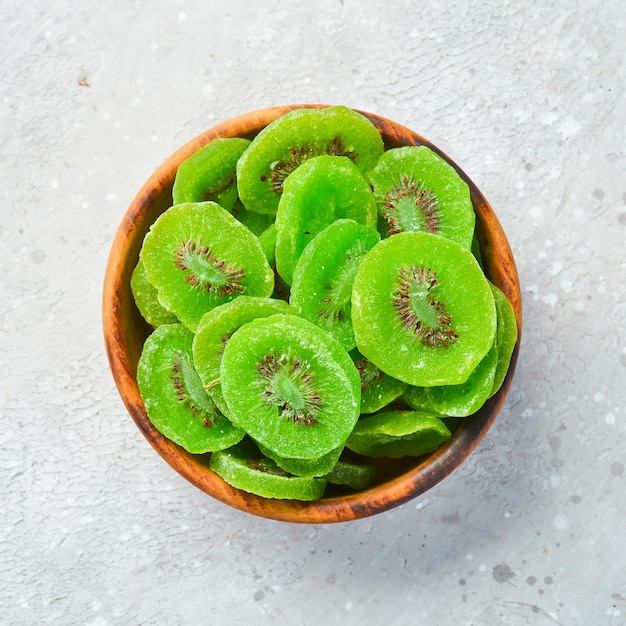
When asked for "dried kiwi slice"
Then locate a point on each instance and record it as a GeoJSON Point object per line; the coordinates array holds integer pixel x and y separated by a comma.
{"type": "Point", "coordinates": [305, 467]}
{"type": "Point", "coordinates": [354, 475]}
{"type": "Point", "coordinates": [174, 397]}
{"type": "Point", "coordinates": [146, 299]}
{"type": "Point", "coordinates": [199, 256]}
{"type": "Point", "coordinates": [506, 336]}
{"type": "Point", "coordinates": [210, 173]}
{"type": "Point", "coordinates": [465, 399]}
{"type": "Point", "coordinates": [215, 329]}
{"type": "Point", "coordinates": [321, 291]}
{"type": "Point", "coordinates": [321, 191]}
{"type": "Point", "coordinates": [248, 470]}
{"type": "Point", "coordinates": [282, 146]}
{"type": "Point", "coordinates": [291, 386]}
{"type": "Point", "coordinates": [397, 434]}
{"type": "Point", "coordinates": [417, 190]}
{"type": "Point", "coordinates": [422, 309]}
{"type": "Point", "coordinates": [258, 223]}
{"type": "Point", "coordinates": [377, 388]}
{"type": "Point", "coordinates": [417, 399]}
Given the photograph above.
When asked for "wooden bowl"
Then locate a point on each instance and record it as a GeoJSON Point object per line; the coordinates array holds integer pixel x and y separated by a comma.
{"type": "Point", "coordinates": [125, 331]}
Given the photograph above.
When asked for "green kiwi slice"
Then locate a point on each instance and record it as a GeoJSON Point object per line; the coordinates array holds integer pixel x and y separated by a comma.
{"type": "Point", "coordinates": [268, 243]}
{"type": "Point", "coordinates": [319, 192]}
{"type": "Point", "coordinates": [417, 190]}
{"type": "Point", "coordinates": [282, 146]}
{"type": "Point", "coordinates": [506, 336]}
{"type": "Point", "coordinates": [258, 223]}
{"type": "Point", "coordinates": [210, 173]}
{"type": "Point", "coordinates": [321, 290]}
{"type": "Point", "coordinates": [465, 399]}
{"type": "Point", "coordinates": [174, 397]}
{"type": "Point", "coordinates": [354, 475]}
{"type": "Point", "coordinates": [422, 309]}
{"type": "Point", "coordinates": [396, 434]}
{"type": "Point", "coordinates": [250, 471]}
{"type": "Point", "coordinates": [305, 467]}
{"type": "Point", "coordinates": [377, 388]}
{"type": "Point", "coordinates": [291, 386]}
{"type": "Point", "coordinates": [198, 256]}
{"type": "Point", "coordinates": [215, 329]}
{"type": "Point", "coordinates": [146, 299]}
{"type": "Point", "coordinates": [417, 399]}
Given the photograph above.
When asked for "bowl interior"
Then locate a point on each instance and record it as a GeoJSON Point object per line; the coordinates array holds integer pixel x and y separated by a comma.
{"type": "Point", "coordinates": [125, 331]}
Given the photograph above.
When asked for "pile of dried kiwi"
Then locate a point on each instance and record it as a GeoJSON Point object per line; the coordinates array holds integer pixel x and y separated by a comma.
{"type": "Point", "coordinates": [317, 302]}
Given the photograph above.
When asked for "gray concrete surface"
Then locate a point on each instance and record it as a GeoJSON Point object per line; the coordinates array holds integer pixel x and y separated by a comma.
{"type": "Point", "coordinates": [96, 529]}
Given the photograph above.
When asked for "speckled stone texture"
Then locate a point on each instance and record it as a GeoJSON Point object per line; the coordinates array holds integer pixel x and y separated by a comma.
{"type": "Point", "coordinates": [96, 529]}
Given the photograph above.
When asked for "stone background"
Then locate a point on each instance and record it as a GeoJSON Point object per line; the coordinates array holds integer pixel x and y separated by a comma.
{"type": "Point", "coordinates": [96, 529]}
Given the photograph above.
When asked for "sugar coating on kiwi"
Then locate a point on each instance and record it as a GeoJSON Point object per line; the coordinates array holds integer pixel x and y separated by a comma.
{"type": "Point", "coordinates": [174, 397]}
{"type": "Point", "coordinates": [321, 191]}
{"type": "Point", "coordinates": [321, 291]}
{"type": "Point", "coordinates": [294, 138]}
{"type": "Point", "coordinates": [417, 190]}
{"type": "Point", "coordinates": [198, 256]}
{"type": "Point", "coordinates": [422, 309]}
{"type": "Point", "coordinates": [291, 386]}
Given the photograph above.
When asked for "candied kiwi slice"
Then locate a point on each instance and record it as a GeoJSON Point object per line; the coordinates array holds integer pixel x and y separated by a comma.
{"type": "Point", "coordinates": [174, 397]}
{"type": "Point", "coordinates": [377, 388]}
{"type": "Point", "coordinates": [417, 190]}
{"type": "Point", "coordinates": [291, 386]}
{"type": "Point", "coordinates": [258, 223]}
{"type": "Point", "coordinates": [282, 146]}
{"type": "Point", "coordinates": [354, 475]}
{"type": "Point", "coordinates": [215, 329]}
{"type": "Point", "coordinates": [210, 173]}
{"type": "Point", "coordinates": [199, 256]}
{"type": "Point", "coordinates": [465, 399]}
{"type": "Point", "coordinates": [321, 291]}
{"type": "Point", "coordinates": [321, 191]}
{"type": "Point", "coordinates": [422, 309]}
{"type": "Point", "coordinates": [396, 434]}
{"type": "Point", "coordinates": [146, 298]}
{"type": "Point", "coordinates": [506, 336]}
{"type": "Point", "coordinates": [305, 467]}
{"type": "Point", "coordinates": [417, 399]}
{"type": "Point", "coordinates": [248, 470]}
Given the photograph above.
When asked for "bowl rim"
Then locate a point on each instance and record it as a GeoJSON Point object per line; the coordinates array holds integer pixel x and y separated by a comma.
{"type": "Point", "coordinates": [425, 473]}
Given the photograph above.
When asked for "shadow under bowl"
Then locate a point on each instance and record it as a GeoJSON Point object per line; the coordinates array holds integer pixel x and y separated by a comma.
{"type": "Point", "coordinates": [125, 331]}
